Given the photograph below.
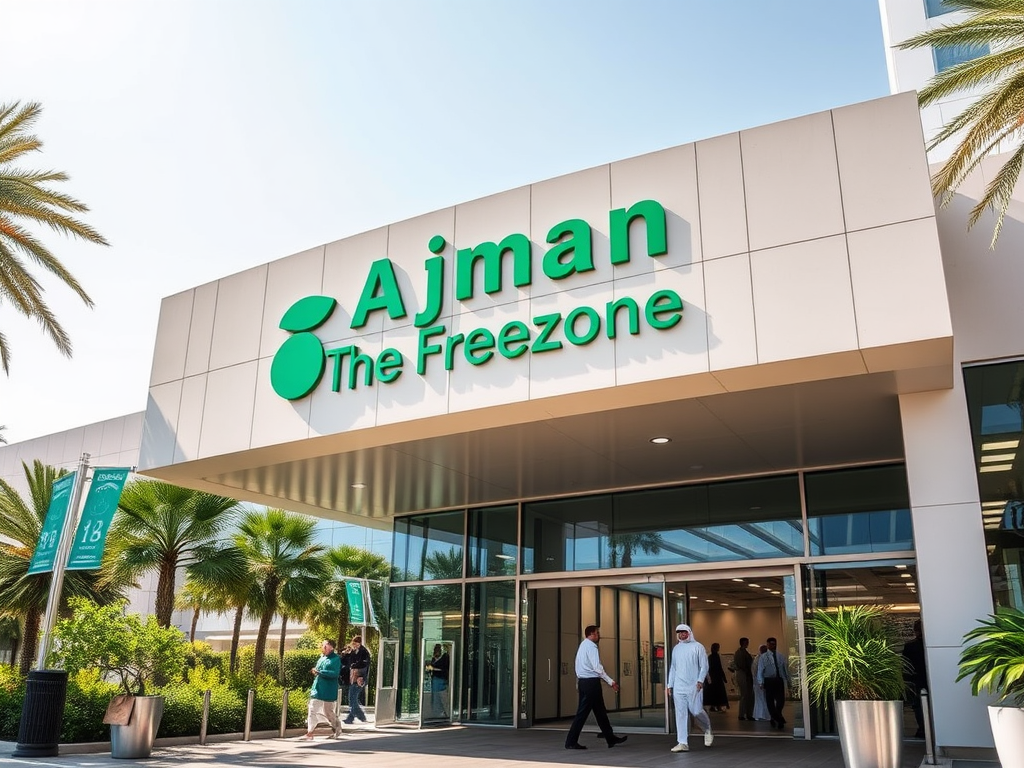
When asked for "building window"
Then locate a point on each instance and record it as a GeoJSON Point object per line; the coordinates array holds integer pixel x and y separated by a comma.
{"type": "Point", "coordinates": [995, 402]}
{"type": "Point", "coordinates": [859, 510]}
{"type": "Point", "coordinates": [428, 547]}
{"type": "Point", "coordinates": [493, 541]}
{"type": "Point", "coordinates": [947, 56]}
{"type": "Point", "coordinates": [935, 8]}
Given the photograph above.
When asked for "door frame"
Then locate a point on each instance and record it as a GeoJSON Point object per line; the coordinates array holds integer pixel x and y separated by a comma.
{"type": "Point", "coordinates": [663, 577]}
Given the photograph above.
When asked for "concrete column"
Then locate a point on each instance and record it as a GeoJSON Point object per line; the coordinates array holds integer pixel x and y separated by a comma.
{"type": "Point", "coordinates": [953, 581]}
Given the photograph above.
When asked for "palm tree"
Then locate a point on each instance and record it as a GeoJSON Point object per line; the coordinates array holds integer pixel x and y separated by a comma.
{"type": "Point", "coordinates": [27, 199]}
{"type": "Point", "coordinates": [24, 595]}
{"type": "Point", "coordinates": [623, 545]}
{"type": "Point", "coordinates": [994, 116]}
{"type": "Point", "coordinates": [162, 527]}
{"type": "Point", "coordinates": [200, 599]}
{"type": "Point", "coordinates": [331, 613]}
{"type": "Point", "coordinates": [285, 563]}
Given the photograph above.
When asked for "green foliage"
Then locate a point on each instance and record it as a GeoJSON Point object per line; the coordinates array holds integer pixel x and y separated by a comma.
{"type": "Point", "coordinates": [118, 644]}
{"type": "Point", "coordinates": [88, 697]}
{"type": "Point", "coordinates": [994, 658]}
{"type": "Point", "coordinates": [989, 118]}
{"type": "Point", "coordinates": [12, 694]}
{"type": "Point", "coordinates": [308, 642]}
{"type": "Point", "coordinates": [854, 656]}
{"type": "Point", "coordinates": [28, 198]}
{"type": "Point", "coordinates": [297, 664]}
{"type": "Point", "coordinates": [200, 654]}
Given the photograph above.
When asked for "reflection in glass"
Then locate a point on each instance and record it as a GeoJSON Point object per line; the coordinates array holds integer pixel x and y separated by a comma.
{"type": "Point", "coordinates": [422, 613]}
{"type": "Point", "coordinates": [428, 547]}
{"type": "Point", "coordinates": [493, 541]}
{"type": "Point", "coordinates": [739, 520]}
{"type": "Point", "coordinates": [859, 510]}
{"type": "Point", "coordinates": [995, 403]}
{"type": "Point", "coordinates": [490, 652]}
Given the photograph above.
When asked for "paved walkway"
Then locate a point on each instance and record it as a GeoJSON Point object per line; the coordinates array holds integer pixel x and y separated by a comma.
{"type": "Point", "coordinates": [476, 747]}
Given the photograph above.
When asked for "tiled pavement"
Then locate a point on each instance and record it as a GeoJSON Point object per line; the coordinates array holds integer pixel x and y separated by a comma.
{"type": "Point", "coordinates": [478, 747]}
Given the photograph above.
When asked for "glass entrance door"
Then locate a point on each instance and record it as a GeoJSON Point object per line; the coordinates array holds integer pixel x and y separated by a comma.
{"type": "Point", "coordinates": [387, 682]}
{"type": "Point", "coordinates": [438, 671]}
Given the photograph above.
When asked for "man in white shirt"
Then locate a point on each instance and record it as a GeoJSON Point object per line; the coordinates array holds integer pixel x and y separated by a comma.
{"type": "Point", "coordinates": [685, 684]}
{"type": "Point", "coordinates": [773, 677]}
{"type": "Point", "coordinates": [590, 673]}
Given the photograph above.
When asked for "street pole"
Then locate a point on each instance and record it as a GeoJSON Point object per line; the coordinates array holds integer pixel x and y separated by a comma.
{"type": "Point", "coordinates": [42, 709]}
{"type": "Point", "coordinates": [59, 563]}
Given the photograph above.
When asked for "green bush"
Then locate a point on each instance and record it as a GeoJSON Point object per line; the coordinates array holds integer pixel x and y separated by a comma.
{"type": "Point", "coordinates": [87, 700]}
{"type": "Point", "coordinates": [183, 711]}
{"type": "Point", "coordinates": [12, 695]}
{"type": "Point", "coordinates": [200, 654]}
{"type": "Point", "coordinates": [183, 708]}
{"type": "Point", "coordinates": [297, 664]}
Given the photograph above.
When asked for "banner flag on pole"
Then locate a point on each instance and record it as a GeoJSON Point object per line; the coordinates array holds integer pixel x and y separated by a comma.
{"type": "Point", "coordinates": [356, 614]}
{"type": "Point", "coordinates": [49, 537]}
{"type": "Point", "coordinates": [100, 505]}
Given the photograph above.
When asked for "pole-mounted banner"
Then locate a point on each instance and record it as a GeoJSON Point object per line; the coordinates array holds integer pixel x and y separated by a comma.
{"type": "Point", "coordinates": [49, 538]}
{"type": "Point", "coordinates": [100, 505]}
{"type": "Point", "coordinates": [354, 589]}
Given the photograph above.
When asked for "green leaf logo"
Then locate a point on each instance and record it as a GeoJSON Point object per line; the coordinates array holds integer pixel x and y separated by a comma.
{"type": "Point", "coordinates": [299, 363]}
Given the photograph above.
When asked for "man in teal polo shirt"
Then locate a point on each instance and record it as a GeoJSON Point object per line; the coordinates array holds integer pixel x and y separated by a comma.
{"type": "Point", "coordinates": [323, 696]}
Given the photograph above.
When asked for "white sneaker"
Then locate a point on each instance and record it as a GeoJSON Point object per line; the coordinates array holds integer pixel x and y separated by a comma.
{"type": "Point", "coordinates": [681, 748]}
{"type": "Point", "coordinates": [709, 739]}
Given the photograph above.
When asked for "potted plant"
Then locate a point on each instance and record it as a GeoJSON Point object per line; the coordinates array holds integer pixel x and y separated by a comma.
{"type": "Point", "coordinates": [994, 661]}
{"type": "Point", "coordinates": [130, 652]}
{"type": "Point", "coordinates": [855, 668]}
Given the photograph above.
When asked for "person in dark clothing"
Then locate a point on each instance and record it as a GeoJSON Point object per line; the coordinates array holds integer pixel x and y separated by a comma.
{"type": "Point", "coordinates": [917, 678]}
{"type": "Point", "coordinates": [439, 667]}
{"type": "Point", "coordinates": [744, 664]}
{"type": "Point", "coordinates": [357, 659]}
{"type": "Point", "coordinates": [716, 695]}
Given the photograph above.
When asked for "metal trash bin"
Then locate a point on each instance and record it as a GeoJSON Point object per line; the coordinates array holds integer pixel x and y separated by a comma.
{"type": "Point", "coordinates": [42, 713]}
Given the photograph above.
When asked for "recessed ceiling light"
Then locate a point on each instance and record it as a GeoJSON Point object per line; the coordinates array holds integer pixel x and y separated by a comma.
{"type": "Point", "coordinates": [708, 600]}
{"type": "Point", "coordinates": [901, 567]}
{"type": "Point", "coordinates": [739, 580]}
{"type": "Point", "coordinates": [661, 440]}
{"type": "Point", "coordinates": [767, 589]}
{"type": "Point", "coordinates": [993, 457]}
{"type": "Point", "coordinates": [776, 592]}
{"type": "Point", "coordinates": [693, 597]}
{"type": "Point", "coordinates": [993, 504]}
{"type": "Point", "coordinates": [906, 576]}
{"type": "Point", "coordinates": [505, 557]}
{"type": "Point", "coordinates": [358, 485]}
{"type": "Point", "coordinates": [725, 604]}
{"type": "Point", "coordinates": [1000, 446]}
{"type": "Point", "coordinates": [752, 584]}
{"type": "Point", "coordinates": [996, 468]}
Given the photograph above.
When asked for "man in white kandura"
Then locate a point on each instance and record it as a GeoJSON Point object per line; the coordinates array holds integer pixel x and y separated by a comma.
{"type": "Point", "coordinates": [685, 684]}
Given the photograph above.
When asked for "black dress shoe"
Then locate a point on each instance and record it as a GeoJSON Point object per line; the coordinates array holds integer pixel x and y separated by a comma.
{"type": "Point", "coordinates": [574, 746]}
{"type": "Point", "coordinates": [616, 740]}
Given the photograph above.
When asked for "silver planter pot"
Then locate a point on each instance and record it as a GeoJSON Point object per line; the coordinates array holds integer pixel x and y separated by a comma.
{"type": "Point", "coordinates": [135, 740]}
{"type": "Point", "coordinates": [871, 733]}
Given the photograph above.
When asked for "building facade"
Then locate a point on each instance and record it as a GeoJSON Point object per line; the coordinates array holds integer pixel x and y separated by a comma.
{"type": "Point", "coordinates": [726, 383]}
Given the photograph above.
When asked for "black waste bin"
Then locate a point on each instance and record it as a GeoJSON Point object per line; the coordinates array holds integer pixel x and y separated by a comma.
{"type": "Point", "coordinates": [42, 713]}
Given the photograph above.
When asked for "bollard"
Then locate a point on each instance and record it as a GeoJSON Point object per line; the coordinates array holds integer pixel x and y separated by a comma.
{"type": "Point", "coordinates": [248, 713]}
{"type": "Point", "coordinates": [206, 717]}
{"type": "Point", "coordinates": [929, 748]}
{"type": "Point", "coordinates": [284, 712]}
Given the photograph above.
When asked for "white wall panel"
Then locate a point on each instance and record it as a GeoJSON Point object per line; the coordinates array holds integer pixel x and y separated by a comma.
{"type": "Point", "coordinates": [791, 181]}
{"type": "Point", "coordinates": [490, 219]}
{"type": "Point", "coordinates": [288, 280]}
{"type": "Point", "coordinates": [171, 342]}
{"type": "Point", "coordinates": [876, 140]}
{"type": "Point", "coordinates": [899, 287]}
{"type": "Point", "coordinates": [803, 300]}
{"type": "Point", "coordinates": [408, 248]}
{"type": "Point", "coordinates": [346, 265]}
{"type": "Point", "coordinates": [723, 214]}
{"type": "Point", "coordinates": [276, 420]}
{"type": "Point", "coordinates": [499, 380]}
{"type": "Point", "coordinates": [412, 396]}
{"type": "Point", "coordinates": [732, 339]}
{"type": "Point", "coordinates": [161, 425]}
{"type": "Point", "coordinates": [669, 177]}
{"type": "Point", "coordinates": [190, 419]}
{"type": "Point", "coordinates": [661, 354]}
{"type": "Point", "coordinates": [200, 337]}
{"type": "Point", "coordinates": [584, 195]}
{"type": "Point", "coordinates": [239, 318]}
{"type": "Point", "coordinates": [572, 368]}
{"type": "Point", "coordinates": [228, 410]}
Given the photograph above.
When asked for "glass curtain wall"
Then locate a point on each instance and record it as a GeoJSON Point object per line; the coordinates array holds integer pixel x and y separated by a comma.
{"type": "Point", "coordinates": [995, 402]}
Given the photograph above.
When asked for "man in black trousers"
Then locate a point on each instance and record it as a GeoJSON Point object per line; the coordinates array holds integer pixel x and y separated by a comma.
{"type": "Point", "coordinates": [590, 673]}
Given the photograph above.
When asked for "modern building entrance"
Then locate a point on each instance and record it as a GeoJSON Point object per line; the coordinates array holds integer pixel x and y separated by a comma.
{"type": "Point", "coordinates": [637, 618]}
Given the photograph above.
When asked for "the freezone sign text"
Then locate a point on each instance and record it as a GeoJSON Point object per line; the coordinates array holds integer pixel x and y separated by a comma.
{"type": "Point", "coordinates": [301, 361]}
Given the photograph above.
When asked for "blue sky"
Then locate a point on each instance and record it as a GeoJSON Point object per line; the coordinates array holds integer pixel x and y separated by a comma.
{"type": "Point", "coordinates": [210, 136]}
